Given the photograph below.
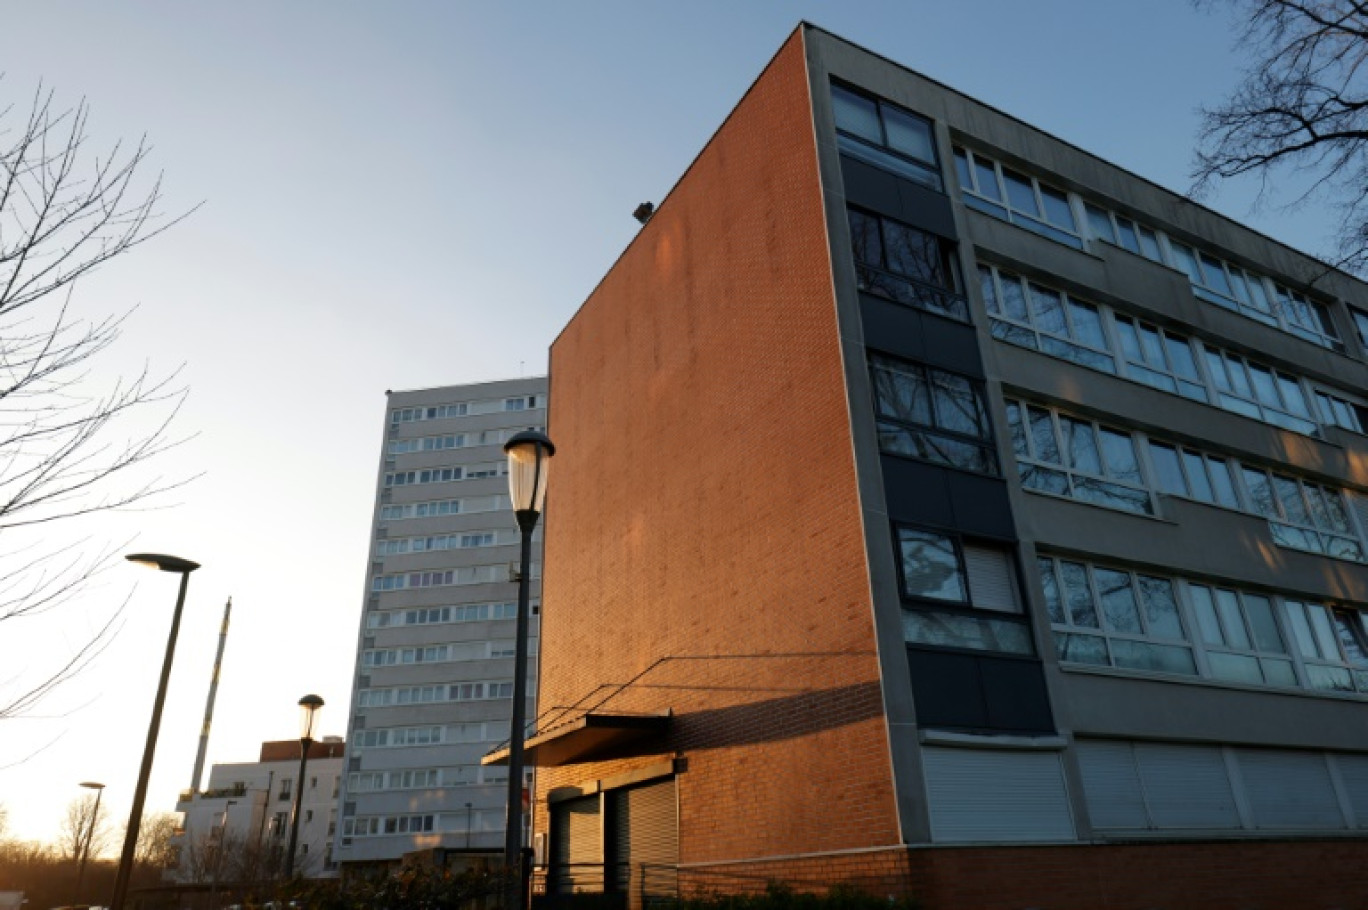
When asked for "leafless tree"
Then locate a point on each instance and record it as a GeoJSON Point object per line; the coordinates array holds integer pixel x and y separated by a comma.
{"type": "Point", "coordinates": [4, 821]}
{"type": "Point", "coordinates": [79, 823]}
{"type": "Point", "coordinates": [1300, 111]}
{"type": "Point", "coordinates": [154, 848]}
{"type": "Point", "coordinates": [73, 441]}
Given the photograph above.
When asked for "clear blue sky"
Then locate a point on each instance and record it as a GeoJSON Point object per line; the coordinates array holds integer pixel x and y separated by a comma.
{"type": "Point", "coordinates": [408, 194]}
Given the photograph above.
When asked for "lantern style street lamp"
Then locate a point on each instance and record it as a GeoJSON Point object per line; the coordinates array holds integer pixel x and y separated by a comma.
{"type": "Point", "coordinates": [308, 724]}
{"type": "Point", "coordinates": [184, 567]}
{"type": "Point", "coordinates": [90, 832]}
{"type": "Point", "coordinates": [529, 456]}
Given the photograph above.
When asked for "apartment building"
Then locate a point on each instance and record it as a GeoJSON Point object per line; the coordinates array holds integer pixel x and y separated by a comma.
{"type": "Point", "coordinates": [434, 662]}
{"type": "Point", "coordinates": [943, 509]}
{"type": "Point", "coordinates": [237, 829]}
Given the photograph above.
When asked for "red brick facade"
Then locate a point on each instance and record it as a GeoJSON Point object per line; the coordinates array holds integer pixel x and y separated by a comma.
{"type": "Point", "coordinates": [704, 547]}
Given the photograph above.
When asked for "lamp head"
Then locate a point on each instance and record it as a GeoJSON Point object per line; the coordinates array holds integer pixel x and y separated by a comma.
{"type": "Point", "coordinates": [92, 785]}
{"type": "Point", "coordinates": [309, 706]}
{"type": "Point", "coordinates": [529, 455]}
{"type": "Point", "coordinates": [163, 562]}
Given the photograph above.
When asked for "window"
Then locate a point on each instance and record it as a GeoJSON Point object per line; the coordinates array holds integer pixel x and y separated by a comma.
{"type": "Point", "coordinates": [886, 136]}
{"type": "Point", "coordinates": [1257, 391]}
{"type": "Point", "coordinates": [1123, 232]}
{"type": "Point", "coordinates": [1360, 319]}
{"type": "Point", "coordinates": [1240, 634]}
{"type": "Point", "coordinates": [1244, 292]}
{"type": "Point", "coordinates": [904, 264]}
{"type": "Point", "coordinates": [1160, 359]}
{"type": "Point", "coordinates": [1194, 475]}
{"type": "Point", "coordinates": [401, 545]}
{"type": "Point", "coordinates": [1012, 196]}
{"type": "Point", "coordinates": [438, 412]}
{"type": "Point", "coordinates": [963, 595]}
{"type": "Point", "coordinates": [1116, 618]}
{"type": "Point", "coordinates": [932, 415]}
{"type": "Point", "coordinates": [1069, 456]}
{"type": "Point", "coordinates": [1036, 317]}
{"type": "Point", "coordinates": [469, 575]}
{"type": "Point", "coordinates": [1332, 644]}
{"type": "Point", "coordinates": [1340, 412]}
{"type": "Point", "coordinates": [1302, 515]}
{"type": "Point", "coordinates": [1306, 319]}
{"type": "Point", "coordinates": [439, 507]}
{"type": "Point", "coordinates": [286, 784]}
{"type": "Point", "coordinates": [437, 615]}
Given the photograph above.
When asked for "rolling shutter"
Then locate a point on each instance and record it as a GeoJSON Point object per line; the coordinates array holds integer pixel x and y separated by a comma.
{"type": "Point", "coordinates": [1186, 786]}
{"type": "Point", "coordinates": [576, 848]}
{"type": "Point", "coordinates": [1289, 789]}
{"type": "Point", "coordinates": [992, 583]}
{"type": "Point", "coordinates": [996, 795]}
{"type": "Point", "coordinates": [1141, 786]}
{"type": "Point", "coordinates": [1353, 771]}
{"type": "Point", "coordinates": [645, 840]}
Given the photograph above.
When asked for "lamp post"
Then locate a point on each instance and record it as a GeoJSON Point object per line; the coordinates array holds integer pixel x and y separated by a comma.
{"type": "Point", "coordinates": [529, 454]}
{"type": "Point", "coordinates": [184, 567]}
{"type": "Point", "coordinates": [90, 832]}
{"type": "Point", "coordinates": [308, 721]}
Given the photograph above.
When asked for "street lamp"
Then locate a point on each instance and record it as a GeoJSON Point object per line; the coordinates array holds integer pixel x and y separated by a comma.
{"type": "Point", "coordinates": [529, 455]}
{"type": "Point", "coordinates": [90, 832]}
{"type": "Point", "coordinates": [308, 723]}
{"type": "Point", "coordinates": [162, 563]}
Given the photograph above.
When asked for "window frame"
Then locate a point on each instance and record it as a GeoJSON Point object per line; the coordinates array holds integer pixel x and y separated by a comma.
{"type": "Point", "coordinates": [949, 302]}
{"type": "Point", "coordinates": [879, 361]}
{"type": "Point", "coordinates": [902, 164]}
{"type": "Point", "coordinates": [1008, 632]}
{"type": "Point", "coordinates": [1001, 206]}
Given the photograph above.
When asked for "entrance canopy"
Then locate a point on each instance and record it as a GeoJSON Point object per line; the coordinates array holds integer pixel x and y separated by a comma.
{"type": "Point", "coordinates": [591, 737]}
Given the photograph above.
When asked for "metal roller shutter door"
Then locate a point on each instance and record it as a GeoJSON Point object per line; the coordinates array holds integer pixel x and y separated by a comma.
{"type": "Point", "coordinates": [646, 839]}
{"type": "Point", "coordinates": [577, 845]}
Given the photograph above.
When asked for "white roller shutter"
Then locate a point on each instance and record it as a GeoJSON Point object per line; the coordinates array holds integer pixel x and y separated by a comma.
{"type": "Point", "coordinates": [1186, 786]}
{"type": "Point", "coordinates": [992, 582]}
{"type": "Point", "coordinates": [1289, 789]}
{"type": "Point", "coordinates": [996, 795]}
{"type": "Point", "coordinates": [1111, 785]}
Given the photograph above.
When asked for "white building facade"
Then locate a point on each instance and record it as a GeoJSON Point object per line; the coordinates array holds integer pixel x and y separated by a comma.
{"type": "Point", "coordinates": [238, 827]}
{"type": "Point", "coordinates": [434, 665]}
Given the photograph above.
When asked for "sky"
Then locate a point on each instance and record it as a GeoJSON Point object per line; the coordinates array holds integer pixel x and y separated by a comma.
{"type": "Point", "coordinates": [395, 195]}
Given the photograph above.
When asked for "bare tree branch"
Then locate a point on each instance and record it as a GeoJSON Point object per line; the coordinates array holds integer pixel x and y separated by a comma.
{"type": "Point", "coordinates": [73, 442]}
{"type": "Point", "coordinates": [1301, 109]}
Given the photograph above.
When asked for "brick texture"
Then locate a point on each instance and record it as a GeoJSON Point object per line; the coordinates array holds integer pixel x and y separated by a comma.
{"type": "Point", "coordinates": [1271, 875]}
{"type": "Point", "coordinates": [704, 547]}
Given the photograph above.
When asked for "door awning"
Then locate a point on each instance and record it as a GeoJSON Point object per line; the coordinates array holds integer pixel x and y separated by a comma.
{"type": "Point", "coordinates": [591, 737]}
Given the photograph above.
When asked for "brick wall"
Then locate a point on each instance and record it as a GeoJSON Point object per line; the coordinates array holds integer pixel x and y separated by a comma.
{"type": "Point", "coordinates": [703, 530]}
{"type": "Point", "coordinates": [1268, 875]}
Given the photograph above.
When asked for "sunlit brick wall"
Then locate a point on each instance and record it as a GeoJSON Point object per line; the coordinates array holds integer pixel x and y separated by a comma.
{"type": "Point", "coordinates": [703, 527]}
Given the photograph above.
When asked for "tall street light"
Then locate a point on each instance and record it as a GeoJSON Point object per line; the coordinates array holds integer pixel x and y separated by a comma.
{"type": "Point", "coordinates": [529, 456]}
{"type": "Point", "coordinates": [308, 723]}
{"type": "Point", "coordinates": [90, 832]}
{"type": "Point", "coordinates": [184, 567]}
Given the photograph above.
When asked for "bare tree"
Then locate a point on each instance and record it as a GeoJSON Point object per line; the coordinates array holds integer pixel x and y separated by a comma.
{"type": "Point", "coordinates": [72, 442]}
{"type": "Point", "coordinates": [4, 821]}
{"type": "Point", "coordinates": [1301, 111]}
{"type": "Point", "coordinates": [79, 823]}
{"type": "Point", "coordinates": [154, 848]}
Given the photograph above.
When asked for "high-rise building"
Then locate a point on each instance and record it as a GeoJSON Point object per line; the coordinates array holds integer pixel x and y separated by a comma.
{"type": "Point", "coordinates": [237, 829]}
{"type": "Point", "coordinates": [942, 508]}
{"type": "Point", "coordinates": [434, 663]}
